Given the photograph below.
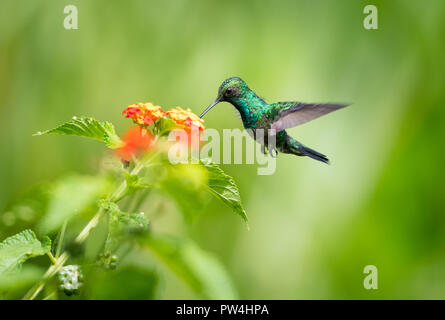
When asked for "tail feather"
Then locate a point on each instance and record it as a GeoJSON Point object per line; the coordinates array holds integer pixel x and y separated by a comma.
{"type": "Point", "coordinates": [313, 154]}
{"type": "Point", "coordinates": [287, 144]}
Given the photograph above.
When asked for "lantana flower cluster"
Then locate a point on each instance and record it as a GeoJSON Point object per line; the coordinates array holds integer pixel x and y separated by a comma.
{"type": "Point", "coordinates": [136, 141]}
{"type": "Point", "coordinates": [145, 114]}
{"type": "Point", "coordinates": [140, 139]}
{"type": "Point", "coordinates": [186, 118]}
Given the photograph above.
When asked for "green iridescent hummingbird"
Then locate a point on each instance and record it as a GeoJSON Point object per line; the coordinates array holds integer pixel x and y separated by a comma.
{"type": "Point", "coordinates": [258, 114]}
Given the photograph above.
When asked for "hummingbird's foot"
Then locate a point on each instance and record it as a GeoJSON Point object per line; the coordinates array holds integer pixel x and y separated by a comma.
{"type": "Point", "coordinates": [263, 149]}
{"type": "Point", "coordinates": [273, 152]}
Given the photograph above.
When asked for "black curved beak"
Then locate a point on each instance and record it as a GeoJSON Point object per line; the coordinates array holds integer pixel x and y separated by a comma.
{"type": "Point", "coordinates": [210, 107]}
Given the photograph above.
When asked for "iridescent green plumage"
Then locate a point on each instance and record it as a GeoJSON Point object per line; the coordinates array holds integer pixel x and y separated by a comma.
{"type": "Point", "coordinates": [273, 118]}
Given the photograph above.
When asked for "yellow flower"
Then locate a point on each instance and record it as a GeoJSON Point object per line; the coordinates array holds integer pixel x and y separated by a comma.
{"type": "Point", "coordinates": [186, 118]}
{"type": "Point", "coordinates": [144, 113]}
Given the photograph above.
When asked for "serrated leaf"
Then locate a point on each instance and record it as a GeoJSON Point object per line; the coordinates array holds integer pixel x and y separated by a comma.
{"type": "Point", "coordinates": [188, 183]}
{"type": "Point", "coordinates": [71, 196]}
{"type": "Point", "coordinates": [16, 249]}
{"type": "Point", "coordinates": [199, 269]}
{"type": "Point", "coordinates": [223, 187]}
{"type": "Point", "coordinates": [89, 128]}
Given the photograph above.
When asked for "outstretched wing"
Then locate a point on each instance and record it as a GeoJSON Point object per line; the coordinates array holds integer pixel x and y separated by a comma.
{"type": "Point", "coordinates": [291, 114]}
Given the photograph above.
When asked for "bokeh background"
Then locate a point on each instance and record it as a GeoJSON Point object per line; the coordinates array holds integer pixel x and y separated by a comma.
{"type": "Point", "coordinates": [313, 227]}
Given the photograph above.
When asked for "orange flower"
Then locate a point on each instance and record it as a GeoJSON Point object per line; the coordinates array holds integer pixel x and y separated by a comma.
{"type": "Point", "coordinates": [186, 118]}
{"type": "Point", "coordinates": [137, 140]}
{"type": "Point", "coordinates": [144, 113]}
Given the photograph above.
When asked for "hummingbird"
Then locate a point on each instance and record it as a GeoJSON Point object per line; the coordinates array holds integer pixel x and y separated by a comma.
{"type": "Point", "coordinates": [272, 118]}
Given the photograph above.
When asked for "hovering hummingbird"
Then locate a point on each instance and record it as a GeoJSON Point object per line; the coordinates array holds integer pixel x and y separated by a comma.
{"type": "Point", "coordinates": [258, 114]}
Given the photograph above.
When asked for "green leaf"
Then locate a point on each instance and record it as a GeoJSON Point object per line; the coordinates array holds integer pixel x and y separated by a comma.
{"type": "Point", "coordinates": [125, 220]}
{"type": "Point", "coordinates": [88, 128]}
{"type": "Point", "coordinates": [134, 183]}
{"type": "Point", "coordinates": [223, 187]}
{"type": "Point", "coordinates": [20, 277]}
{"type": "Point", "coordinates": [71, 196]}
{"type": "Point", "coordinates": [185, 184]}
{"type": "Point", "coordinates": [199, 269]}
{"type": "Point", "coordinates": [163, 126]}
{"type": "Point", "coordinates": [13, 284]}
{"type": "Point", "coordinates": [188, 183]}
{"type": "Point", "coordinates": [122, 225]}
{"type": "Point", "coordinates": [18, 248]}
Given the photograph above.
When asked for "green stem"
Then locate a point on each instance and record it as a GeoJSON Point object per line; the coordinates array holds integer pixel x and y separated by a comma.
{"type": "Point", "coordinates": [50, 295]}
{"type": "Point", "coordinates": [60, 239]}
{"type": "Point", "coordinates": [52, 270]}
{"type": "Point", "coordinates": [60, 261]}
{"type": "Point", "coordinates": [51, 257]}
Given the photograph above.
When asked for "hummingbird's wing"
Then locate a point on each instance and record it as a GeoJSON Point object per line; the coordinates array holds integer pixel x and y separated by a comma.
{"type": "Point", "coordinates": [290, 114]}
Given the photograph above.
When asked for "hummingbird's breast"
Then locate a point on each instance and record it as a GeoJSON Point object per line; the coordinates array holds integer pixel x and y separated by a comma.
{"type": "Point", "coordinates": [256, 117]}
{"type": "Point", "coordinates": [251, 107]}
{"type": "Point", "coordinates": [264, 120]}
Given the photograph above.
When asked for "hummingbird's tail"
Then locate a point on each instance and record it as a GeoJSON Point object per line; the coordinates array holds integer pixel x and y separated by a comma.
{"type": "Point", "coordinates": [313, 154]}
{"type": "Point", "coordinates": [292, 146]}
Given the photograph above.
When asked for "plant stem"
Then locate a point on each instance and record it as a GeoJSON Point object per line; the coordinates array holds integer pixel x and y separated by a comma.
{"type": "Point", "coordinates": [91, 224]}
{"type": "Point", "coordinates": [60, 260]}
{"type": "Point", "coordinates": [51, 257]}
{"type": "Point", "coordinates": [50, 295]}
{"type": "Point", "coordinates": [60, 239]}
{"type": "Point", "coordinates": [52, 270]}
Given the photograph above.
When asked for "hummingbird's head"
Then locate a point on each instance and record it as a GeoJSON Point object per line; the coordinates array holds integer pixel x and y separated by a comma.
{"type": "Point", "coordinates": [231, 89]}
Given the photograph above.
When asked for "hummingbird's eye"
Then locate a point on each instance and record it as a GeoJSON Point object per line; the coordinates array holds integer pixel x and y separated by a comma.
{"type": "Point", "coordinates": [229, 91]}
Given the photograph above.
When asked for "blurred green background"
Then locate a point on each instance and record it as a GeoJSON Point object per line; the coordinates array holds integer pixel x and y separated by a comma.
{"type": "Point", "coordinates": [313, 227]}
